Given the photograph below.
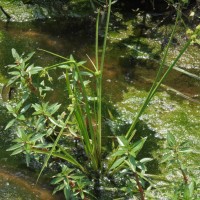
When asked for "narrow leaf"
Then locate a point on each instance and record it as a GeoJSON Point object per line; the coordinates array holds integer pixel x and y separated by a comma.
{"type": "Point", "coordinates": [16, 146]}
{"type": "Point", "coordinates": [171, 141]}
{"type": "Point", "coordinates": [145, 160]}
{"type": "Point", "coordinates": [17, 151]}
{"type": "Point", "coordinates": [15, 54]}
{"type": "Point", "coordinates": [57, 180]}
{"type": "Point", "coordinates": [10, 123]}
{"type": "Point", "coordinates": [137, 146]}
{"type": "Point", "coordinates": [122, 141]}
{"type": "Point", "coordinates": [166, 157]}
{"type": "Point", "coordinates": [118, 162]}
{"type": "Point", "coordinates": [37, 137]}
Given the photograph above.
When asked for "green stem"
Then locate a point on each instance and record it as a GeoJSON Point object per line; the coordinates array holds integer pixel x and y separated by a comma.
{"type": "Point", "coordinates": [99, 82]}
{"type": "Point", "coordinates": [97, 41]}
{"type": "Point", "coordinates": [157, 83]}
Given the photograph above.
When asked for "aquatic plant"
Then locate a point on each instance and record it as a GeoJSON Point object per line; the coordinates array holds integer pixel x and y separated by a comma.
{"type": "Point", "coordinates": [187, 185]}
{"type": "Point", "coordinates": [49, 128]}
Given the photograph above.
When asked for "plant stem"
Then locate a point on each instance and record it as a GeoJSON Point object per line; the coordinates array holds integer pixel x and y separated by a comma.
{"type": "Point", "coordinates": [140, 189]}
{"type": "Point", "coordinates": [99, 82]}
{"type": "Point", "coordinates": [97, 42]}
{"type": "Point", "coordinates": [5, 13]}
{"type": "Point", "coordinates": [185, 178]}
{"type": "Point", "coordinates": [158, 82]}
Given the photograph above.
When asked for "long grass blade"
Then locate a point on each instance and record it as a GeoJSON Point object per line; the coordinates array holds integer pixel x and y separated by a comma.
{"type": "Point", "coordinates": [187, 73]}
{"type": "Point", "coordinates": [129, 134]}
{"type": "Point", "coordinates": [54, 54]}
{"type": "Point", "coordinates": [99, 82]}
{"type": "Point", "coordinates": [79, 114]}
{"type": "Point", "coordinates": [97, 41]}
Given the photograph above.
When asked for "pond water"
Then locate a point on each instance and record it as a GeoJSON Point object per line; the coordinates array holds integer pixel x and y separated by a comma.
{"type": "Point", "coordinates": [176, 107]}
{"type": "Point", "coordinates": [18, 187]}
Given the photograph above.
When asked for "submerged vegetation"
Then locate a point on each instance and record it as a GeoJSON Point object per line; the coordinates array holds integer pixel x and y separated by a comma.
{"type": "Point", "coordinates": [91, 162]}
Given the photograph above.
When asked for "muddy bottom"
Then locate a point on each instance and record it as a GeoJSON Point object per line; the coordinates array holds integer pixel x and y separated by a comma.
{"type": "Point", "coordinates": [15, 187]}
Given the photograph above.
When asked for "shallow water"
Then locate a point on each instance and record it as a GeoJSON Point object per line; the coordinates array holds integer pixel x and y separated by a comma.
{"type": "Point", "coordinates": [126, 82]}
{"type": "Point", "coordinates": [17, 187]}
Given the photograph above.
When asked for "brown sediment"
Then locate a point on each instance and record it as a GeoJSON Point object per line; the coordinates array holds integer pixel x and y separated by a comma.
{"type": "Point", "coordinates": [36, 190]}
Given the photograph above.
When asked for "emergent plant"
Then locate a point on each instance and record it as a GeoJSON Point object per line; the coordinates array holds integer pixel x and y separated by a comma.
{"type": "Point", "coordinates": [46, 128]}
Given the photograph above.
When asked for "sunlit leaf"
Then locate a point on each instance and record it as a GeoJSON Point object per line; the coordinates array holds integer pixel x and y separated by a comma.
{"type": "Point", "coordinates": [53, 108]}
{"type": "Point", "coordinates": [137, 146]}
{"type": "Point", "coordinates": [85, 83]}
{"type": "Point", "coordinates": [81, 63]}
{"type": "Point", "coordinates": [64, 66]}
{"type": "Point", "coordinates": [25, 108]}
{"type": "Point", "coordinates": [119, 153]}
{"type": "Point", "coordinates": [186, 194]}
{"type": "Point", "coordinates": [58, 188]}
{"type": "Point", "coordinates": [43, 146]}
{"type": "Point", "coordinates": [185, 150]}
{"type": "Point", "coordinates": [16, 146]}
{"type": "Point", "coordinates": [12, 80]}
{"type": "Point", "coordinates": [118, 162]}
{"type": "Point", "coordinates": [57, 180]}
{"type": "Point", "coordinates": [76, 76]}
{"type": "Point", "coordinates": [15, 73]}
{"type": "Point", "coordinates": [86, 74]}
{"type": "Point", "coordinates": [63, 76]}
{"type": "Point", "coordinates": [145, 160]}
{"type": "Point", "coordinates": [55, 122]}
{"type": "Point", "coordinates": [17, 151]}
{"type": "Point", "coordinates": [9, 108]}
{"type": "Point", "coordinates": [15, 54]}
{"type": "Point", "coordinates": [71, 58]}
{"type": "Point", "coordinates": [21, 117]}
{"type": "Point", "coordinates": [35, 70]}
{"type": "Point", "coordinates": [171, 141]}
{"type": "Point", "coordinates": [29, 56]}
{"type": "Point", "coordinates": [166, 157]}
{"type": "Point", "coordinates": [141, 166]}
{"type": "Point", "coordinates": [122, 141]}
{"type": "Point", "coordinates": [133, 162]}
{"type": "Point", "coordinates": [191, 188]}
{"type": "Point", "coordinates": [37, 137]}
{"type": "Point", "coordinates": [49, 131]}
{"type": "Point", "coordinates": [10, 123]}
